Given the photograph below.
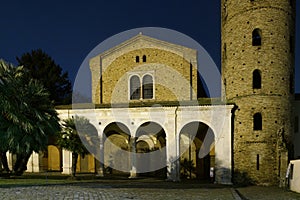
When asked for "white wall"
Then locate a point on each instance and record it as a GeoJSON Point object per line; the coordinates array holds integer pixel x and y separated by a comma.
{"type": "Point", "coordinates": [295, 176]}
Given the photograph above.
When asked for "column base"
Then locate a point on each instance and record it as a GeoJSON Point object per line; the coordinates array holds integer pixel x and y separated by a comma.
{"type": "Point", "coordinates": [100, 172]}
{"type": "Point", "coordinates": [133, 173]}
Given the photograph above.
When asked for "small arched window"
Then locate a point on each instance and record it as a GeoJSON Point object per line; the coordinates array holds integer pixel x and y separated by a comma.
{"type": "Point", "coordinates": [256, 81]}
{"type": "Point", "coordinates": [256, 37]}
{"type": "Point", "coordinates": [144, 58]}
{"type": "Point", "coordinates": [135, 87]}
{"type": "Point", "coordinates": [137, 59]}
{"type": "Point", "coordinates": [257, 121]}
{"type": "Point", "coordinates": [147, 87]}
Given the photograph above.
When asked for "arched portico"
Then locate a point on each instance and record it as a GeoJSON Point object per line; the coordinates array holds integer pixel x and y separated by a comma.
{"type": "Point", "coordinates": [218, 120]}
{"type": "Point", "coordinates": [196, 150]}
{"type": "Point", "coordinates": [151, 149]}
{"type": "Point", "coordinates": [116, 137]}
{"type": "Point", "coordinates": [127, 131]}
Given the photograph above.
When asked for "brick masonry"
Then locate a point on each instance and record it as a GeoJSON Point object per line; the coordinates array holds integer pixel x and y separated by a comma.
{"type": "Point", "coordinates": [259, 155]}
{"type": "Point", "coordinates": [169, 64]}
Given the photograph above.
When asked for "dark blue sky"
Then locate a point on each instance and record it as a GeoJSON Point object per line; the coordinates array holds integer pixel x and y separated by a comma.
{"type": "Point", "coordinates": [69, 30]}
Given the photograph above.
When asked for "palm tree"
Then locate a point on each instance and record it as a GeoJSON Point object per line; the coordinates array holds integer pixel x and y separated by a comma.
{"type": "Point", "coordinates": [27, 116]}
{"type": "Point", "coordinates": [69, 138]}
{"type": "Point", "coordinates": [8, 74]}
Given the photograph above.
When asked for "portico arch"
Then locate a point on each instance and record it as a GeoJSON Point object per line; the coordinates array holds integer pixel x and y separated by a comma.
{"type": "Point", "coordinates": [196, 148]}
{"type": "Point", "coordinates": [116, 138]}
{"type": "Point", "coordinates": [151, 149]}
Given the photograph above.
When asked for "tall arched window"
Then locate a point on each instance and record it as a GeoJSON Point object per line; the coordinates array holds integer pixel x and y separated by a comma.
{"type": "Point", "coordinates": [135, 87]}
{"type": "Point", "coordinates": [256, 81]}
{"type": "Point", "coordinates": [256, 37]}
{"type": "Point", "coordinates": [257, 121]}
{"type": "Point", "coordinates": [144, 58]}
{"type": "Point", "coordinates": [147, 87]}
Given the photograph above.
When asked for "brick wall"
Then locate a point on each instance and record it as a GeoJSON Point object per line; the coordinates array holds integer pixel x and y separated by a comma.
{"type": "Point", "coordinates": [169, 64]}
{"type": "Point", "coordinates": [258, 154]}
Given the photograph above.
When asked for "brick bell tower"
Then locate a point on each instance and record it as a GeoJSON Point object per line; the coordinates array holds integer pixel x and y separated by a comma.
{"type": "Point", "coordinates": [258, 39]}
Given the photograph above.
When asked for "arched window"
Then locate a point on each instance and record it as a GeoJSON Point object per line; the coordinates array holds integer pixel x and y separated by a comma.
{"type": "Point", "coordinates": [144, 58]}
{"type": "Point", "coordinates": [256, 37]}
{"type": "Point", "coordinates": [135, 87]}
{"type": "Point", "coordinates": [257, 121]}
{"type": "Point", "coordinates": [256, 81]}
{"type": "Point", "coordinates": [137, 59]}
{"type": "Point", "coordinates": [147, 87]}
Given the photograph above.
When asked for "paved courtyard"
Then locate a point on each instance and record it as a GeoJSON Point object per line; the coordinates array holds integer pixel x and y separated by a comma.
{"type": "Point", "coordinates": [142, 189]}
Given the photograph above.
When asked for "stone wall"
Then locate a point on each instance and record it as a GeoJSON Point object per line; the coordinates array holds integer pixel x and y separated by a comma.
{"type": "Point", "coordinates": [259, 154]}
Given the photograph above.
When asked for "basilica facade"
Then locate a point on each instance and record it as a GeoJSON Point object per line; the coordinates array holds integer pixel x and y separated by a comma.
{"type": "Point", "coordinates": [152, 116]}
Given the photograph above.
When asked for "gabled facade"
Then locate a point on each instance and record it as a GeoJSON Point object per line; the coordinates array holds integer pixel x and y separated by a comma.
{"type": "Point", "coordinates": [145, 65]}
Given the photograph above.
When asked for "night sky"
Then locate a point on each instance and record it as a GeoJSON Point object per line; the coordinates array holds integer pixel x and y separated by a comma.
{"type": "Point", "coordinates": [69, 30]}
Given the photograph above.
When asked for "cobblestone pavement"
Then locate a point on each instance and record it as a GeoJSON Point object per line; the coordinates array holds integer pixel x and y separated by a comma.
{"type": "Point", "coordinates": [125, 190]}
{"type": "Point", "coordinates": [77, 192]}
{"type": "Point", "coordinates": [266, 193]}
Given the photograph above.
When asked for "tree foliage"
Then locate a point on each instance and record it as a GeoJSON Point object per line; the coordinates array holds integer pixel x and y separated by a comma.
{"type": "Point", "coordinates": [42, 67]}
{"type": "Point", "coordinates": [27, 116]}
{"type": "Point", "coordinates": [69, 138]}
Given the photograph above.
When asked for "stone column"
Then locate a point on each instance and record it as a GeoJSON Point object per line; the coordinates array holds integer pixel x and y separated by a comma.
{"type": "Point", "coordinates": [67, 162]}
{"type": "Point", "coordinates": [133, 173]}
{"type": "Point", "coordinates": [33, 163]}
{"type": "Point", "coordinates": [100, 162]}
{"type": "Point", "coordinates": [172, 148]}
{"type": "Point", "coordinates": [10, 160]}
{"type": "Point", "coordinates": [172, 156]}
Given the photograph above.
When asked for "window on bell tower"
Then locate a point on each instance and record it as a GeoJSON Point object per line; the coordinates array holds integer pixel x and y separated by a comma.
{"type": "Point", "coordinates": [256, 80]}
{"type": "Point", "coordinates": [257, 121]}
{"type": "Point", "coordinates": [256, 37]}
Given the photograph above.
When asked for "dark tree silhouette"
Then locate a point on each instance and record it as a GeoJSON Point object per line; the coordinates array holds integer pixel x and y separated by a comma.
{"type": "Point", "coordinates": [43, 68]}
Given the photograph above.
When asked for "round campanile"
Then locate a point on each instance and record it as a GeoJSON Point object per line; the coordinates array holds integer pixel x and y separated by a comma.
{"type": "Point", "coordinates": [258, 39]}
